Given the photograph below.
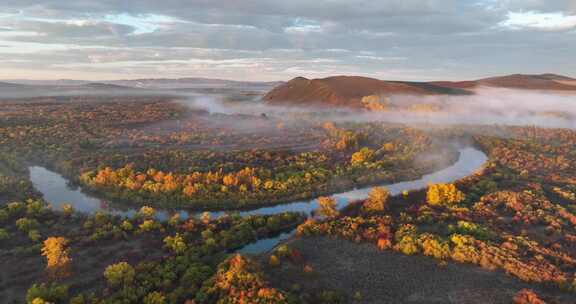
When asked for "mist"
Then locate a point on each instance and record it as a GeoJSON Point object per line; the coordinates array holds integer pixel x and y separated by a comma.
{"type": "Point", "coordinates": [499, 106]}
{"type": "Point", "coordinates": [489, 106]}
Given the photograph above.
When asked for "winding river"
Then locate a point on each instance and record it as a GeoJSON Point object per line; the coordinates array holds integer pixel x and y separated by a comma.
{"type": "Point", "coordinates": [56, 191]}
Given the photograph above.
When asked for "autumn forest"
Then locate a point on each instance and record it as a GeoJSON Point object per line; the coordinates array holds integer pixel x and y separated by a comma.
{"type": "Point", "coordinates": [200, 207]}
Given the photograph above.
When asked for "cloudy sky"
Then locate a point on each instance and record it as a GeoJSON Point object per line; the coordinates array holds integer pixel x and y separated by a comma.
{"type": "Point", "coordinates": [280, 39]}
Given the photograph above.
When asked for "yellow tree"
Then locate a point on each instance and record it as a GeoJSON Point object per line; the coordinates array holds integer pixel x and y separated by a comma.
{"type": "Point", "coordinates": [170, 183]}
{"type": "Point", "coordinates": [158, 177]}
{"type": "Point", "coordinates": [230, 180]}
{"type": "Point", "coordinates": [377, 199]}
{"type": "Point", "coordinates": [205, 218]}
{"type": "Point", "coordinates": [388, 147]}
{"type": "Point", "coordinates": [444, 194]}
{"type": "Point", "coordinates": [147, 212]}
{"type": "Point", "coordinates": [327, 206]}
{"type": "Point", "coordinates": [341, 144]}
{"type": "Point", "coordinates": [189, 190]}
{"type": "Point", "coordinates": [362, 156]}
{"type": "Point", "coordinates": [433, 195]}
{"type": "Point", "coordinates": [58, 257]}
{"type": "Point", "coordinates": [329, 126]}
{"type": "Point", "coordinates": [256, 182]}
{"type": "Point", "coordinates": [374, 103]}
{"type": "Point", "coordinates": [67, 209]}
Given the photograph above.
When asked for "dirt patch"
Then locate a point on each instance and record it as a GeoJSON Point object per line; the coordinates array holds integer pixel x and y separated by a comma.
{"type": "Point", "coordinates": [390, 277]}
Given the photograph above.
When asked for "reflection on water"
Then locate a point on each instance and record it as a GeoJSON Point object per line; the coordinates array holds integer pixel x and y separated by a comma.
{"type": "Point", "coordinates": [56, 191]}
{"type": "Point", "coordinates": [264, 245]}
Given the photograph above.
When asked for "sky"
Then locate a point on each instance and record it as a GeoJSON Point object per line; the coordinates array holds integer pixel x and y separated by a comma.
{"type": "Point", "coordinates": [282, 39]}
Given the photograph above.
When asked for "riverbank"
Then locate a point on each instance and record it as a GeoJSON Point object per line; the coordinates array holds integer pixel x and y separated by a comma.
{"type": "Point", "coordinates": [56, 190]}
{"type": "Point", "coordinates": [421, 165]}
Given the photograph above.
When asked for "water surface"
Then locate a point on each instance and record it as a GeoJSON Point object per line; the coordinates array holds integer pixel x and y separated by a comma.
{"type": "Point", "coordinates": [57, 191]}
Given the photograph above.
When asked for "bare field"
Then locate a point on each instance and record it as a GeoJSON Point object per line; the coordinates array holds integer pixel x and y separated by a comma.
{"type": "Point", "coordinates": [390, 277]}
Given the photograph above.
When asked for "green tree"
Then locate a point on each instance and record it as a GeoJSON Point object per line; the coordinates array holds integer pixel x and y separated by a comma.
{"type": "Point", "coordinates": [119, 274]}
{"type": "Point", "coordinates": [148, 225]}
{"type": "Point", "coordinates": [26, 224]}
{"type": "Point", "coordinates": [175, 243]}
{"type": "Point", "coordinates": [49, 293]}
{"type": "Point", "coordinates": [4, 235]}
{"type": "Point", "coordinates": [34, 235]}
{"type": "Point", "coordinates": [126, 225]}
{"type": "Point", "coordinates": [154, 298]}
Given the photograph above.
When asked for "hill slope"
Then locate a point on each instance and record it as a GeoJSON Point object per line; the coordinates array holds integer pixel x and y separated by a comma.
{"type": "Point", "coordinates": [546, 82]}
{"type": "Point", "coordinates": [348, 90]}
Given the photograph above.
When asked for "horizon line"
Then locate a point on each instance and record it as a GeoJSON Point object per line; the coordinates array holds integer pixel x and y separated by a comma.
{"type": "Point", "coordinates": [284, 80]}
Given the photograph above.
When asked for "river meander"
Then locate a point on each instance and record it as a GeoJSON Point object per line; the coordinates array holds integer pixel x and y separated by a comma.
{"type": "Point", "coordinates": [57, 191]}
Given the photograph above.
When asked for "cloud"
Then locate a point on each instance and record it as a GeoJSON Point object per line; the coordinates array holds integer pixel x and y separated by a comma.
{"type": "Point", "coordinates": [146, 23]}
{"type": "Point", "coordinates": [276, 40]}
{"type": "Point", "coordinates": [532, 20]}
{"type": "Point", "coordinates": [303, 26]}
{"type": "Point", "coordinates": [72, 29]}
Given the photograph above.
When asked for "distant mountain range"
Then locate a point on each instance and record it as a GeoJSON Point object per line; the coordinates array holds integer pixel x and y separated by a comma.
{"type": "Point", "coordinates": [154, 83]}
{"type": "Point", "coordinates": [9, 85]}
{"type": "Point", "coordinates": [517, 81]}
{"type": "Point", "coordinates": [350, 90]}
{"type": "Point", "coordinates": [59, 82]}
{"type": "Point", "coordinates": [191, 83]}
{"type": "Point", "coordinates": [337, 91]}
{"type": "Point", "coordinates": [15, 90]}
{"type": "Point", "coordinates": [27, 88]}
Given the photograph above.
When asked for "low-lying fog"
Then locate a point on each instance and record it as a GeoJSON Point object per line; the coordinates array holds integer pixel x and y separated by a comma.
{"type": "Point", "coordinates": [488, 106]}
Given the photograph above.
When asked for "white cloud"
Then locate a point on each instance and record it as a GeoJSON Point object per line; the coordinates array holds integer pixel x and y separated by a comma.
{"type": "Point", "coordinates": [304, 26]}
{"type": "Point", "coordinates": [394, 39]}
{"type": "Point", "coordinates": [531, 20]}
{"type": "Point", "coordinates": [143, 23]}
{"type": "Point", "coordinates": [379, 58]}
